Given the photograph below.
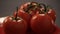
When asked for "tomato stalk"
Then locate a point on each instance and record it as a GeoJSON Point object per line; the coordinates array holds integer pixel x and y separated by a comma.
{"type": "Point", "coordinates": [16, 14]}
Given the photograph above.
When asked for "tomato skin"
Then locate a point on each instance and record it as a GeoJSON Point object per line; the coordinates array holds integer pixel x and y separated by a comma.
{"type": "Point", "coordinates": [42, 24]}
{"type": "Point", "coordinates": [52, 14]}
{"type": "Point", "coordinates": [14, 27]}
{"type": "Point", "coordinates": [1, 28]}
{"type": "Point", "coordinates": [24, 15]}
{"type": "Point", "coordinates": [57, 31]}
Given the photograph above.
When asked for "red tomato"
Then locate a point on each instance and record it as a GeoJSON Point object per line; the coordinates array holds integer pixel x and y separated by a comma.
{"type": "Point", "coordinates": [14, 26]}
{"type": "Point", "coordinates": [42, 24]}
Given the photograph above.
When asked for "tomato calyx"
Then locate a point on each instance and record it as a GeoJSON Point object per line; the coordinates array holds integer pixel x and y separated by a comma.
{"type": "Point", "coordinates": [18, 18]}
{"type": "Point", "coordinates": [43, 8]}
{"type": "Point", "coordinates": [31, 6]}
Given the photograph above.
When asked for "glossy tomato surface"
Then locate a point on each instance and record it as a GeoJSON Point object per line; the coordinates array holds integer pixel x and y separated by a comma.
{"type": "Point", "coordinates": [42, 24]}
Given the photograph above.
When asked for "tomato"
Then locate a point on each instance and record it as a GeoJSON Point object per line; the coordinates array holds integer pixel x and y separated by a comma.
{"type": "Point", "coordinates": [13, 26]}
{"type": "Point", "coordinates": [42, 24]}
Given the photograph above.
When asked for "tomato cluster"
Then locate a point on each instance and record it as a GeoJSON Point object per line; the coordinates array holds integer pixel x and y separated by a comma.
{"type": "Point", "coordinates": [32, 18]}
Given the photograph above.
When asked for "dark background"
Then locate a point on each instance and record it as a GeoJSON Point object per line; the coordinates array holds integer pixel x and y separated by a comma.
{"type": "Point", "coordinates": [7, 7]}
